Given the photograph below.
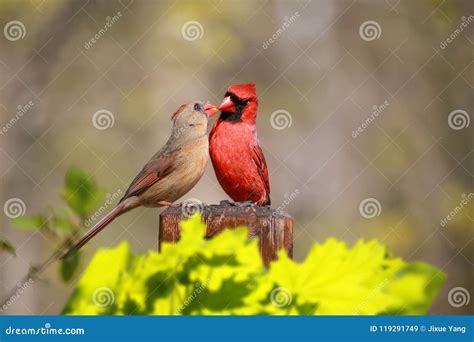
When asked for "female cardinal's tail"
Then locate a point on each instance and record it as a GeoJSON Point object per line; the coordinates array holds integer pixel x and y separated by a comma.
{"type": "Point", "coordinates": [117, 211]}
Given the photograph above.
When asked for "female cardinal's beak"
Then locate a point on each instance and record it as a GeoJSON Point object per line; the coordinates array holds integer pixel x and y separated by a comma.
{"type": "Point", "coordinates": [210, 109]}
{"type": "Point", "coordinates": [227, 105]}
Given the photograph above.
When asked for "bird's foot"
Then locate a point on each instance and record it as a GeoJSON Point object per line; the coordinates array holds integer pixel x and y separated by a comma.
{"type": "Point", "coordinates": [226, 202]}
{"type": "Point", "coordinates": [244, 204]}
{"type": "Point", "coordinates": [168, 204]}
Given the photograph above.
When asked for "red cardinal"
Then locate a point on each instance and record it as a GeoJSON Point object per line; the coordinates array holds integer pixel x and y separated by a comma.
{"type": "Point", "coordinates": [235, 152]}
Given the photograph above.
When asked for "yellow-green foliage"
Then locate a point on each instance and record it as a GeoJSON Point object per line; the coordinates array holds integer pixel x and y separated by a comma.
{"type": "Point", "coordinates": [225, 275]}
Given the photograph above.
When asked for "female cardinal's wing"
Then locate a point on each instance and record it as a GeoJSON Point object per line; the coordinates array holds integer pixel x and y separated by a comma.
{"type": "Point", "coordinates": [259, 160]}
{"type": "Point", "coordinates": [160, 165]}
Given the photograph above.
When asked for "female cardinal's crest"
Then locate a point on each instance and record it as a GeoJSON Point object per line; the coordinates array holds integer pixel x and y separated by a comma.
{"type": "Point", "coordinates": [244, 91]}
{"type": "Point", "coordinates": [178, 111]}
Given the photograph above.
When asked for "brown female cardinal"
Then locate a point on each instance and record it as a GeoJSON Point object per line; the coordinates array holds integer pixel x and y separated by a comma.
{"type": "Point", "coordinates": [235, 152]}
{"type": "Point", "coordinates": [171, 172]}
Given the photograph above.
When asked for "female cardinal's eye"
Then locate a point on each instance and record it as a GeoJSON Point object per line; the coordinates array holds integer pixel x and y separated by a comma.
{"type": "Point", "coordinates": [198, 107]}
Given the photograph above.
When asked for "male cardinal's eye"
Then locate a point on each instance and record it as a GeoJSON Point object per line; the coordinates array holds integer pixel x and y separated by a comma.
{"type": "Point", "coordinates": [198, 107]}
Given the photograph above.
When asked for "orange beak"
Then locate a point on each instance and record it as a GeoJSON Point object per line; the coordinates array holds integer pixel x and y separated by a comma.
{"type": "Point", "coordinates": [210, 109]}
{"type": "Point", "coordinates": [227, 105]}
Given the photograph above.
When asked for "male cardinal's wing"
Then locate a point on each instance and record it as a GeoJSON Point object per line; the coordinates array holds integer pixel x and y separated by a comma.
{"type": "Point", "coordinates": [259, 160]}
{"type": "Point", "coordinates": [158, 167]}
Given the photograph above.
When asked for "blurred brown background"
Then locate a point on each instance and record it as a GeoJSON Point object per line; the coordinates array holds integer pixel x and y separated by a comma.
{"type": "Point", "coordinates": [320, 68]}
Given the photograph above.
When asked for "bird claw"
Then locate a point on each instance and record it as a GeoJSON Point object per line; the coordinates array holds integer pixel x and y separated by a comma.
{"type": "Point", "coordinates": [226, 202]}
{"type": "Point", "coordinates": [168, 204]}
{"type": "Point", "coordinates": [244, 204]}
{"type": "Point", "coordinates": [237, 204]}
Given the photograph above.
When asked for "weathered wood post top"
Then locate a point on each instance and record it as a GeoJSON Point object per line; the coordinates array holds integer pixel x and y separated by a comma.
{"type": "Point", "coordinates": [273, 227]}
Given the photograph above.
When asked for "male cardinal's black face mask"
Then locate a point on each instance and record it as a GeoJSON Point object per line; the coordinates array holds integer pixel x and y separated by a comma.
{"type": "Point", "coordinates": [232, 107]}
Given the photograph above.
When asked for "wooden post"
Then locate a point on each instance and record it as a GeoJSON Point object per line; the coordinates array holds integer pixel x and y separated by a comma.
{"type": "Point", "coordinates": [274, 228]}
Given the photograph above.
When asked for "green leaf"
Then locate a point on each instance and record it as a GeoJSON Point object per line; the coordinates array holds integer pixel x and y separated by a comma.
{"type": "Point", "coordinates": [7, 247]}
{"type": "Point", "coordinates": [417, 284]}
{"type": "Point", "coordinates": [225, 275]}
{"type": "Point", "coordinates": [81, 192]}
{"type": "Point", "coordinates": [338, 280]}
{"type": "Point", "coordinates": [69, 266]}
{"type": "Point", "coordinates": [34, 222]}
{"type": "Point", "coordinates": [62, 222]}
{"type": "Point", "coordinates": [98, 288]}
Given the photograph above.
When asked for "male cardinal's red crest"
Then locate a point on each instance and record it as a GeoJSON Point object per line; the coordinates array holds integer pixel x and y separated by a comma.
{"type": "Point", "coordinates": [235, 152]}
